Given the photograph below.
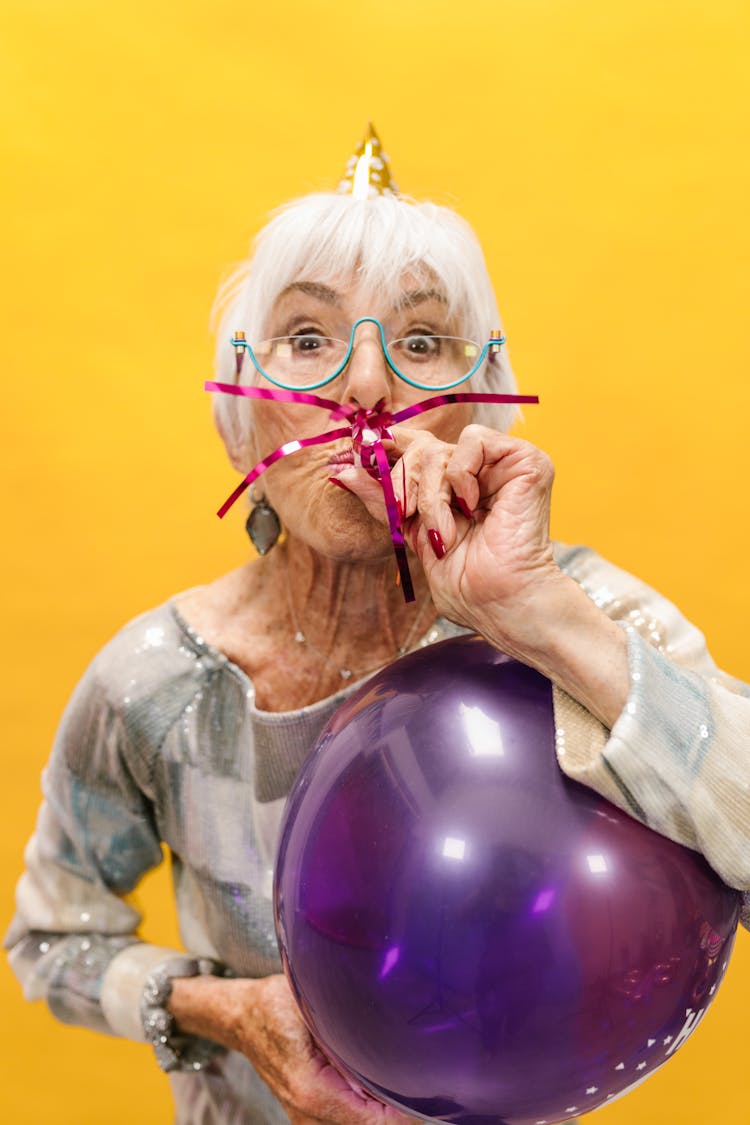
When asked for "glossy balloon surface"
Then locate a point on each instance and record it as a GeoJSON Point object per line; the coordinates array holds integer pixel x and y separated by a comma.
{"type": "Point", "coordinates": [469, 934]}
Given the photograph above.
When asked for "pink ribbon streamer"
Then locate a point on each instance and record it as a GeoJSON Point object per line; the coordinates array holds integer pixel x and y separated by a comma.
{"type": "Point", "coordinates": [366, 428]}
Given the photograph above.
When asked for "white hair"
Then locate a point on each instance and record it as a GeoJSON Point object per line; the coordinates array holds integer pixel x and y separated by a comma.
{"type": "Point", "coordinates": [376, 241]}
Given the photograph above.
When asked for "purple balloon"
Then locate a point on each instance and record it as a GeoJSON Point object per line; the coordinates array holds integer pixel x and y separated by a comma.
{"type": "Point", "coordinates": [470, 935]}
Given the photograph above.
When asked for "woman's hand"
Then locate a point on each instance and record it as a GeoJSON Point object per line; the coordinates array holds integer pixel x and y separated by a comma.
{"type": "Point", "coordinates": [477, 515]}
{"type": "Point", "coordinates": [260, 1019]}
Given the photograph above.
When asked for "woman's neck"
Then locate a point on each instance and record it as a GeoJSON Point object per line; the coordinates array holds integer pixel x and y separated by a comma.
{"type": "Point", "coordinates": [352, 612]}
{"type": "Point", "coordinates": [302, 625]}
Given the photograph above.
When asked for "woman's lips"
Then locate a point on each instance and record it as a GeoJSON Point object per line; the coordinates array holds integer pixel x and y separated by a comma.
{"type": "Point", "coordinates": [344, 458]}
{"type": "Point", "coordinates": [339, 461]}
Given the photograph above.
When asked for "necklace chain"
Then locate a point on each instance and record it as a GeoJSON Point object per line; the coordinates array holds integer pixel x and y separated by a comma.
{"type": "Point", "coordinates": [344, 672]}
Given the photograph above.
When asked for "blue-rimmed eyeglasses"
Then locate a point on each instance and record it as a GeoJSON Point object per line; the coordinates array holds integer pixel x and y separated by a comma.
{"type": "Point", "coordinates": [308, 361]}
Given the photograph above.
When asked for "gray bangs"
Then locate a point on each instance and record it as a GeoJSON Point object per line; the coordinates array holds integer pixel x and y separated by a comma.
{"type": "Point", "coordinates": [375, 242]}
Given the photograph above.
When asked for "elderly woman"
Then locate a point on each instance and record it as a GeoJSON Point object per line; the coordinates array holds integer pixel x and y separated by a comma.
{"type": "Point", "coordinates": [190, 726]}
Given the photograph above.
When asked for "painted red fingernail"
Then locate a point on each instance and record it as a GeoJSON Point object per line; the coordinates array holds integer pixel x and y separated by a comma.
{"type": "Point", "coordinates": [436, 542]}
{"type": "Point", "coordinates": [340, 484]}
{"type": "Point", "coordinates": [465, 509]}
{"type": "Point", "coordinates": [400, 510]}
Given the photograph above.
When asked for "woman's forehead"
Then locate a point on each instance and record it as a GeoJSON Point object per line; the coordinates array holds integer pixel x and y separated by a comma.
{"type": "Point", "coordinates": [344, 293]}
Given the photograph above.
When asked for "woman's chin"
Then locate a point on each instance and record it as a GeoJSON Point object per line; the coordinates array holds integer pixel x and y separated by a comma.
{"type": "Point", "coordinates": [349, 533]}
{"type": "Point", "coordinates": [354, 544]}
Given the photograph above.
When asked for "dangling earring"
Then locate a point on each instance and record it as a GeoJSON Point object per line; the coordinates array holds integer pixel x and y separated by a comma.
{"type": "Point", "coordinates": [263, 526]}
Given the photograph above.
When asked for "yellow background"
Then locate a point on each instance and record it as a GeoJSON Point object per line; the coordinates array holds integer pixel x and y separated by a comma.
{"type": "Point", "coordinates": [600, 149]}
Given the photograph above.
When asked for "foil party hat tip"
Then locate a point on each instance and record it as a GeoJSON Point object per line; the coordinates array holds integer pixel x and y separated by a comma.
{"type": "Point", "coordinates": [368, 172]}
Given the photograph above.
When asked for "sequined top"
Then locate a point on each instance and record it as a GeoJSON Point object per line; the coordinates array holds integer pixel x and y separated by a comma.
{"type": "Point", "coordinates": [162, 742]}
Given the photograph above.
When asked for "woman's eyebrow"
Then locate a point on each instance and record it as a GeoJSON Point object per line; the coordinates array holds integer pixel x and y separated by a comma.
{"type": "Point", "coordinates": [313, 289]}
{"type": "Point", "coordinates": [418, 296]}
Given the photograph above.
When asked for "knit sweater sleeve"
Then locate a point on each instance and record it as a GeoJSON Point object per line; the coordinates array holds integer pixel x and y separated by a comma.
{"type": "Point", "coordinates": [73, 941]}
{"type": "Point", "coordinates": [678, 756]}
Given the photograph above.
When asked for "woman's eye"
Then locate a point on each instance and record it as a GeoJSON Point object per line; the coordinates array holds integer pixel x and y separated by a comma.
{"type": "Point", "coordinates": [307, 342]}
{"type": "Point", "coordinates": [418, 346]}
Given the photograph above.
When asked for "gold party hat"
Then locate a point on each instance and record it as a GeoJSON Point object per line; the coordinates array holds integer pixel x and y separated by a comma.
{"type": "Point", "coordinates": [367, 171]}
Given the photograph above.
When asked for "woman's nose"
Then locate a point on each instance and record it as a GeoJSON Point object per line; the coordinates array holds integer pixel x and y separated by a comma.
{"type": "Point", "coordinates": [367, 376]}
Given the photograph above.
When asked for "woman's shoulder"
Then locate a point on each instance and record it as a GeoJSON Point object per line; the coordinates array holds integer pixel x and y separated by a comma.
{"type": "Point", "coordinates": [235, 616]}
{"type": "Point", "coordinates": [143, 681]}
{"type": "Point", "coordinates": [636, 605]}
{"type": "Point", "coordinates": [602, 580]}
{"type": "Point", "coordinates": [622, 595]}
{"type": "Point", "coordinates": [183, 633]}
{"type": "Point", "coordinates": [155, 657]}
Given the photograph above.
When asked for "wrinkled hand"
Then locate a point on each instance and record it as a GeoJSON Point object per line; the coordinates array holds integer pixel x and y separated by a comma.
{"type": "Point", "coordinates": [477, 515]}
{"type": "Point", "coordinates": [270, 1032]}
